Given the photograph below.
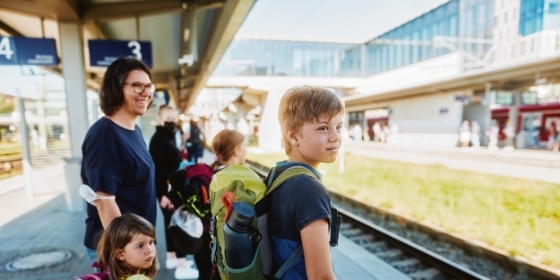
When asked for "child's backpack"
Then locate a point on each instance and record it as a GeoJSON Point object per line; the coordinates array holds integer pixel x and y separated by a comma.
{"type": "Point", "coordinates": [239, 183]}
{"type": "Point", "coordinates": [103, 274]}
{"type": "Point", "coordinates": [189, 186]}
{"type": "Point", "coordinates": [188, 191]}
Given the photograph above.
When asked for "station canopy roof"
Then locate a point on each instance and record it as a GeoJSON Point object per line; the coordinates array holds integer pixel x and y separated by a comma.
{"type": "Point", "coordinates": [188, 37]}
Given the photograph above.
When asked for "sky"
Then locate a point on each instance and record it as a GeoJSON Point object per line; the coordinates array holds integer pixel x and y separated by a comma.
{"type": "Point", "coordinates": [330, 20]}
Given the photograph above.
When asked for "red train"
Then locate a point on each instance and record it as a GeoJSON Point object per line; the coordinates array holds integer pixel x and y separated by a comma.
{"type": "Point", "coordinates": [530, 119]}
{"type": "Point", "coordinates": [383, 123]}
{"type": "Point", "coordinates": [533, 121]}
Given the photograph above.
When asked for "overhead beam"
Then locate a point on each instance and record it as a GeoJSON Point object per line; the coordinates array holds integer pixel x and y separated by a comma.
{"type": "Point", "coordinates": [25, 7]}
{"type": "Point", "coordinates": [111, 11]}
{"type": "Point", "coordinates": [92, 30]}
{"type": "Point", "coordinates": [9, 29]}
{"type": "Point", "coordinates": [232, 16]}
{"type": "Point", "coordinates": [60, 10]}
{"type": "Point", "coordinates": [63, 10]}
{"type": "Point", "coordinates": [476, 81]}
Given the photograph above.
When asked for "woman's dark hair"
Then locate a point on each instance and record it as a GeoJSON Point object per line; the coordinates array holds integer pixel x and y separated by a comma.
{"type": "Point", "coordinates": [111, 96]}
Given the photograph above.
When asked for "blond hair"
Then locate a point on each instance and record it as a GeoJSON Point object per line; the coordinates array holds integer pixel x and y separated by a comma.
{"type": "Point", "coordinates": [301, 105]}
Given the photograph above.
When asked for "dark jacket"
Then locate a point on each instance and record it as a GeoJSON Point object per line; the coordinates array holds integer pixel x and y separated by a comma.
{"type": "Point", "coordinates": [166, 157]}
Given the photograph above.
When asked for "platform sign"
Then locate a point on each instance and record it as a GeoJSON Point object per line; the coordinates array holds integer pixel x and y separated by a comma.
{"type": "Point", "coordinates": [103, 52]}
{"type": "Point", "coordinates": [28, 51]}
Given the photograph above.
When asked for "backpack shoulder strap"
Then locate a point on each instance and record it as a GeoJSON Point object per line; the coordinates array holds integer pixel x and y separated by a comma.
{"type": "Point", "coordinates": [262, 208]}
{"type": "Point", "coordinates": [285, 175]}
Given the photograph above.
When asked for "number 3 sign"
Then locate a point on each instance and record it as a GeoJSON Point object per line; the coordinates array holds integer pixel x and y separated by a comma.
{"type": "Point", "coordinates": [103, 52]}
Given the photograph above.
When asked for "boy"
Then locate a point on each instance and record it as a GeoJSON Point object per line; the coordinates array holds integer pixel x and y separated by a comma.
{"type": "Point", "coordinates": [311, 122]}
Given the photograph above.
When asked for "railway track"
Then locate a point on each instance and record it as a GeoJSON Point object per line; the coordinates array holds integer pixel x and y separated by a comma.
{"type": "Point", "coordinates": [470, 254]}
{"type": "Point", "coordinates": [422, 252]}
{"type": "Point", "coordinates": [406, 256]}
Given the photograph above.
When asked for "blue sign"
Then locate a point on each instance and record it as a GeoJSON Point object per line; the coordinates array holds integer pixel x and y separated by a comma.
{"type": "Point", "coordinates": [103, 52]}
{"type": "Point", "coordinates": [463, 98]}
{"type": "Point", "coordinates": [28, 51]}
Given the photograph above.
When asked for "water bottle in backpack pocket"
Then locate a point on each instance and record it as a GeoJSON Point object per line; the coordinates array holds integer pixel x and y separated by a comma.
{"type": "Point", "coordinates": [241, 243]}
{"type": "Point", "coordinates": [237, 236]}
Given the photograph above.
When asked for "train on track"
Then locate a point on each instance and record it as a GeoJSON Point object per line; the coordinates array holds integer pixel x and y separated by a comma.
{"type": "Point", "coordinates": [532, 126]}
{"type": "Point", "coordinates": [534, 121]}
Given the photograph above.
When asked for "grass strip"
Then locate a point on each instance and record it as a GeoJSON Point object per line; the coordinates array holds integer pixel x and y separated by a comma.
{"type": "Point", "coordinates": [519, 216]}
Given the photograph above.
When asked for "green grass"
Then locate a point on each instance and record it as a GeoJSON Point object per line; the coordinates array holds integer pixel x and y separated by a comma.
{"type": "Point", "coordinates": [519, 216]}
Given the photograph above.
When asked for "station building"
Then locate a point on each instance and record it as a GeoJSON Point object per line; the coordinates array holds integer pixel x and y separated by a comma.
{"type": "Point", "coordinates": [460, 60]}
{"type": "Point", "coordinates": [457, 61]}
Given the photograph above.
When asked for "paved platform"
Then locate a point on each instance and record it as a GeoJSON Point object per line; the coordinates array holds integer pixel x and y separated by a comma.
{"type": "Point", "coordinates": [541, 165]}
{"type": "Point", "coordinates": [39, 229]}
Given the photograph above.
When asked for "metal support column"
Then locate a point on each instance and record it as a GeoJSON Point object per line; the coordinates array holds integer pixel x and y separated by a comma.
{"type": "Point", "coordinates": [512, 140]}
{"type": "Point", "coordinates": [26, 155]}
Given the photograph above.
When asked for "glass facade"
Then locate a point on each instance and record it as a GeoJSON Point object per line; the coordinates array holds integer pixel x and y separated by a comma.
{"type": "Point", "coordinates": [287, 58]}
{"type": "Point", "coordinates": [413, 41]}
{"type": "Point", "coordinates": [538, 15]}
{"type": "Point", "coordinates": [531, 16]}
{"type": "Point", "coordinates": [454, 26]}
{"type": "Point", "coordinates": [465, 26]}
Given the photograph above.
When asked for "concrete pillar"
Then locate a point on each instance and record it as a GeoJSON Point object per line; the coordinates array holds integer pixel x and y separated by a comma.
{"type": "Point", "coordinates": [42, 119]}
{"type": "Point", "coordinates": [26, 154]}
{"type": "Point", "coordinates": [512, 140]}
{"type": "Point", "coordinates": [489, 99]}
{"type": "Point", "coordinates": [229, 119]}
{"type": "Point", "coordinates": [241, 123]}
{"type": "Point", "coordinates": [76, 106]}
{"type": "Point", "coordinates": [270, 136]}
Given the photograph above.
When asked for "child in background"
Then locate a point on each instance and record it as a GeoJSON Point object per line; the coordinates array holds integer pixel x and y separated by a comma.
{"type": "Point", "coordinates": [229, 147]}
{"type": "Point", "coordinates": [311, 121]}
{"type": "Point", "coordinates": [128, 248]}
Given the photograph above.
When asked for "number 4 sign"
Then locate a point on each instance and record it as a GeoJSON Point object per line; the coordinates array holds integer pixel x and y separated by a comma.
{"type": "Point", "coordinates": [6, 47]}
{"type": "Point", "coordinates": [27, 51]}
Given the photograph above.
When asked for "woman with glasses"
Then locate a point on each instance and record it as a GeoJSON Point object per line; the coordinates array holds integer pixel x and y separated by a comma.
{"type": "Point", "coordinates": [116, 161]}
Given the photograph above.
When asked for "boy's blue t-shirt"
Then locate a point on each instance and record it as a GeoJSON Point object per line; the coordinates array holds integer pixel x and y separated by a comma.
{"type": "Point", "coordinates": [116, 161]}
{"type": "Point", "coordinates": [295, 204]}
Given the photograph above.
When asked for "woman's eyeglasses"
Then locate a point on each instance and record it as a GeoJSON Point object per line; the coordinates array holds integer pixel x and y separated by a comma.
{"type": "Point", "coordinates": [140, 87]}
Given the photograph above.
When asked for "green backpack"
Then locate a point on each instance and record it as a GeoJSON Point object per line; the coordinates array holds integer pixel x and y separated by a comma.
{"type": "Point", "coordinates": [246, 186]}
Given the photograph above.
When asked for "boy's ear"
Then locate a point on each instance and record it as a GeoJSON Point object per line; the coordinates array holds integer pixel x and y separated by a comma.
{"type": "Point", "coordinates": [292, 137]}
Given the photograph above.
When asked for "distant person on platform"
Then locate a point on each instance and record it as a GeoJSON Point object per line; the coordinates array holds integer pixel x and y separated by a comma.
{"type": "Point", "coordinates": [475, 134]}
{"type": "Point", "coordinates": [167, 158]}
{"type": "Point", "coordinates": [465, 134]}
{"type": "Point", "coordinates": [116, 161]}
{"type": "Point", "coordinates": [536, 132]}
{"type": "Point", "coordinates": [509, 132]}
{"type": "Point", "coordinates": [195, 147]}
{"type": "Point", "coordinates": [553, 135]}
{"type": "Point", "coordinates": [492, 133]}
{"type": "Point", "coordinates": [377, 131]}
